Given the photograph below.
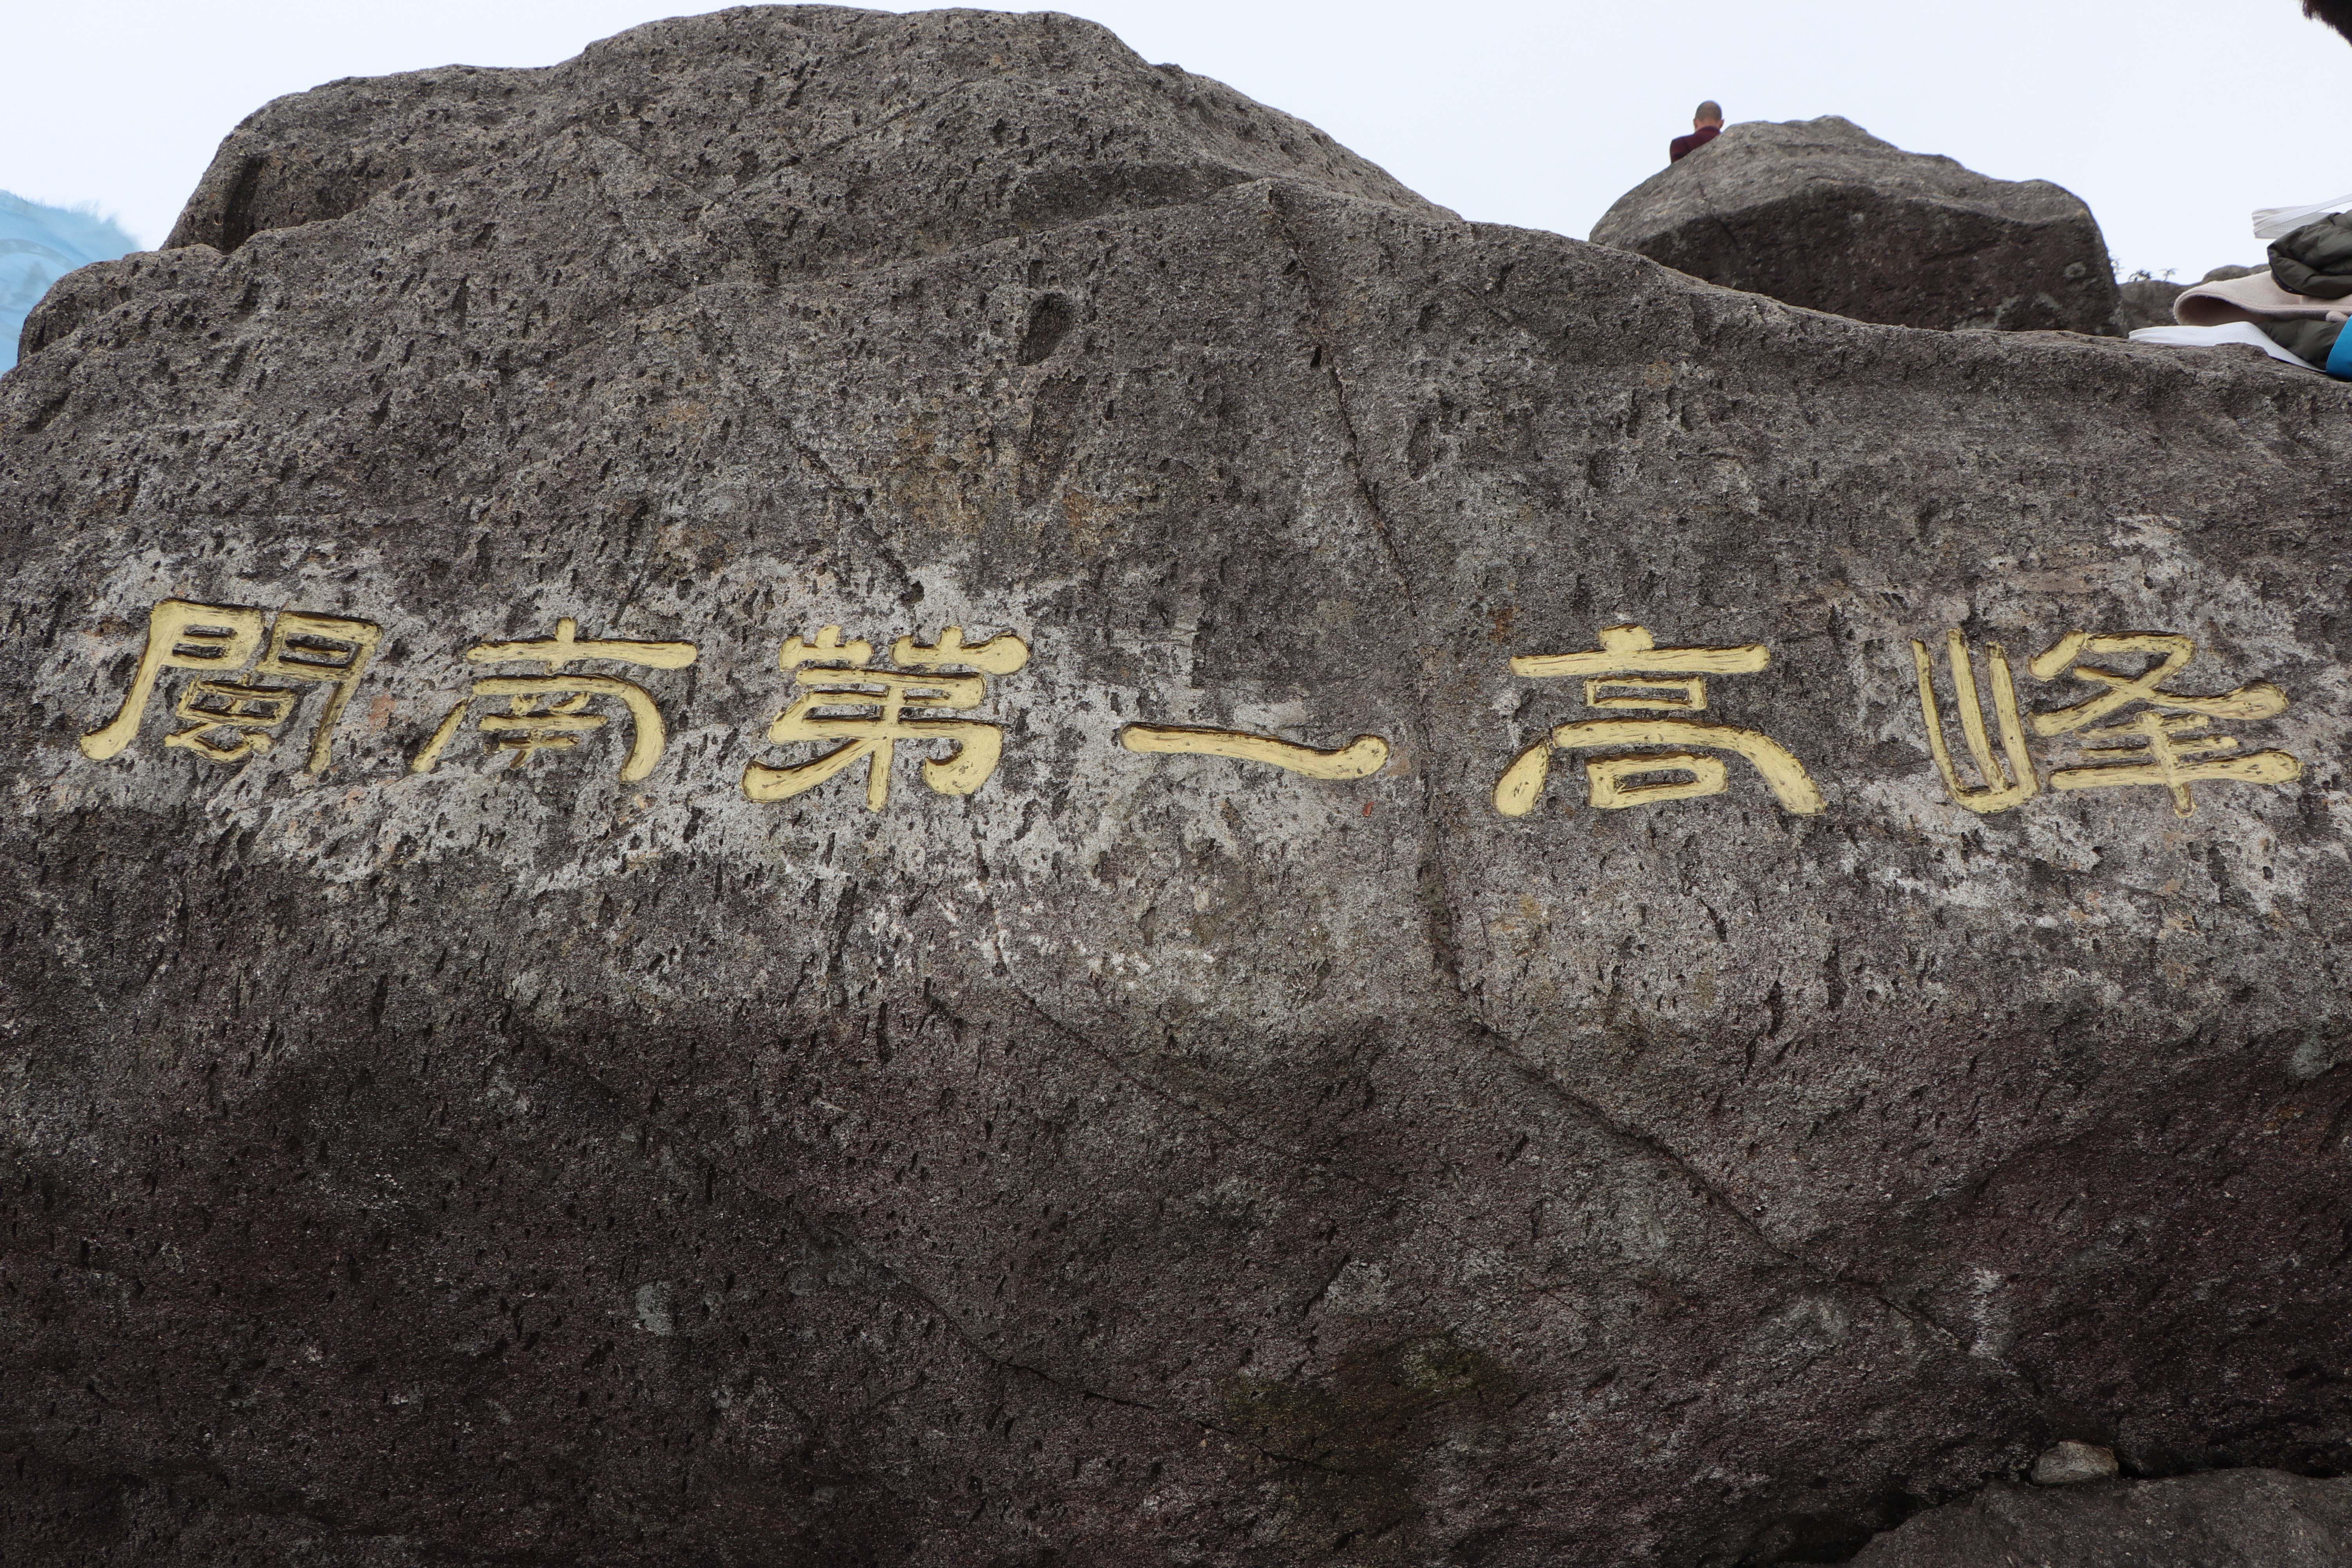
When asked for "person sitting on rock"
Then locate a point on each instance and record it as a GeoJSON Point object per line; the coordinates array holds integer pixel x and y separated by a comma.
{"type": "Point", "coordinates": [2337, 14]}
{"type": "Point", "coordinates": [1707, 124]}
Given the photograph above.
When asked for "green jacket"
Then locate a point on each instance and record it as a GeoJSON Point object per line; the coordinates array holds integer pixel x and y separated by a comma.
{"type": "Point", "coordinates": [2315, 260]}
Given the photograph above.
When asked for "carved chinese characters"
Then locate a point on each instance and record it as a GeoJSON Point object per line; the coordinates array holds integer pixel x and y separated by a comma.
{"type": "Point", "coordinates": [2134, 732]}
{"type": "Point", "coordinates": [845, 697]}
{"type": "Point", "coordinates": [1360, 758]}
{"type": "Point", "coordinates": [226, 718]}
{"type": "Point", "coordinates": [2005, 784]}
{"type": "Point", "coordinates": [550, 713]}
{"type": "Point", "coordinates": [245, 675]}
{"type": "Point", "coordinates": [1623, 676]}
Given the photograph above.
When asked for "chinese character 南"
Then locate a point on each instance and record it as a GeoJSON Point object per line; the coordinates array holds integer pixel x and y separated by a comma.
{"type": "Point", "coordinates": [868, 711]}
{"type": "Point", "coordinates": [1360, 758]}
{"type": "Point", "coordinates": [550, 711]}
{"type": "Point", "coordinates": [227, 712]}
{"type": "Point", "coordinates": [1624, 674]}
{"type": "Point", "coordinates": [2151, 736]}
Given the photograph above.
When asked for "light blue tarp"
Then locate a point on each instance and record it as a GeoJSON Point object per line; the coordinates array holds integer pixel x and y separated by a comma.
{"type": "Point", "coordinates": [39, 245]}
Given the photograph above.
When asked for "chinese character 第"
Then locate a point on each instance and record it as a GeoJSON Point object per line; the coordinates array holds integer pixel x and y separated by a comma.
{"type": "Point", "coordinates": [845, 698]}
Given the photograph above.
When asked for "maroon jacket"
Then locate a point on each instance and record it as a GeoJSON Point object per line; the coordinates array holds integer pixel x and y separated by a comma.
{"type": "Point", "coordinates": [1685, 145]}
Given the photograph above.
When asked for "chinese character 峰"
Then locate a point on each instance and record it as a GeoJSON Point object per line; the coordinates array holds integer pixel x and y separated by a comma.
{"type": "Point", "coordinates": [2149, 744]}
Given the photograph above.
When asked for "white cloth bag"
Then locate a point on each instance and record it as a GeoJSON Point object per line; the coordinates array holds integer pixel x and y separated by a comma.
{"type": "Point", "coordinates": [2277, 223]}
{"type": "Point", "coordinates": [2216, 337]}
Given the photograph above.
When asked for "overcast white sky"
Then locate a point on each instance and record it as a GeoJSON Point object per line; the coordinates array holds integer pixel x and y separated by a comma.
{"type": "Point", "coordinates": [2172, 119]}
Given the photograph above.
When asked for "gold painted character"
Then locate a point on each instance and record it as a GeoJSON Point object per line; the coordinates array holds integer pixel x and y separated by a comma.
{"type": "Point", "coordinates": [229, 718]}
{"type": "Point", "coordinates": [868, 711]}
{"type": "Point", "coordinates": [1360, 758]}
{"type": "Point", "coordinates": [2004, 786]}
{"type": "Point", "coordinates": [550, 713]}
{"type": "Point", "coordinates": [2148, 745]}
{"type": "Point", "coordinates": [1625, 674]}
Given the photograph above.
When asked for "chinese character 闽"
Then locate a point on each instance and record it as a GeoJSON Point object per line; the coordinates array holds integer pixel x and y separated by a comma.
{"type": "Point", "coordinates": [1630, 672]}
{"type": "Point", "coordinates": [550, 711]}
{"type": "Point", "coordinates": [227, 713]}
{"type": "Point", "coordinates": [868, 711]}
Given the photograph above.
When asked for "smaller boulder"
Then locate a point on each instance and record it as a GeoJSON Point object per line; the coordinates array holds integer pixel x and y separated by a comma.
{"type": "Point", "coordinates": [2071, 1464]}
{"type": "Point", "coordinates": [2147, 303]}
{"type": "Point", "coordinates": [1822, 214]}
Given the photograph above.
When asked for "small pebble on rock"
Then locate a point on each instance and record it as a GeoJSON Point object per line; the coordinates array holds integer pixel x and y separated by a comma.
{"type": "Point", "coordinates": [2066, 1464]}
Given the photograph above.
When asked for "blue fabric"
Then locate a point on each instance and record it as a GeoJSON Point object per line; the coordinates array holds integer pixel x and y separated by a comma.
{"type": "Point", "coordinates": [2339, 358]}
{"type": "Point", "coordinates": [39, 245]}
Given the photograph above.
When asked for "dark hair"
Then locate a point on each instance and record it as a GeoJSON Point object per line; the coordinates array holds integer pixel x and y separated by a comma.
{"type": "Point", "coordinates": [2337, 14]}
{"type": "Point", "coordinates": [1713, 110]}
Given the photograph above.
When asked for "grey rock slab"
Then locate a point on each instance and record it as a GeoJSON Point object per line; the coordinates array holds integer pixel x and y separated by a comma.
{"type": "Point", "coordinates": [437, 1150]}
{"type": "Point", "coordinates": [1822, 214]}
{"type": "Point", "coordinates": [2232, 1519]}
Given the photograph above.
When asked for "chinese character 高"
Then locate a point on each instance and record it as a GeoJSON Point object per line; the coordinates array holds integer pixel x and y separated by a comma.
{"type": "Point", "coordinates": [1630, 672]}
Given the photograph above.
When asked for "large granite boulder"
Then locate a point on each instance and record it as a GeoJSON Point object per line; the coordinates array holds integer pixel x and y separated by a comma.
{"type": "Point", "coordinates": [1822, 214]}
{"type": "Point", "coordinates": [688, 877]}
{"type": "Point", "coordinates": [2230, 1518]}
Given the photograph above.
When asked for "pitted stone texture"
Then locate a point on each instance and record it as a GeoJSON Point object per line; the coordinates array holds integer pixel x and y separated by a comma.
{"type": "Point", "coordinates": [1153, 1159]}
{"type": "Point", "coordinates": [2233, 1519]}
{"type": "Point", "coordinates": [778, 145]}
{"type": "Point", "coordinates": [1822, 214]}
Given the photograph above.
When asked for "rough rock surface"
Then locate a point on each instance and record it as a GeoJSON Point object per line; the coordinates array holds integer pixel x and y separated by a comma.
{"type": "Point", "coordinates": [2232, 1519]}
{"type": "Point", "coordinates": [1822, 214]}
{"type": "Point", "coordinates": [1141, 1157]}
